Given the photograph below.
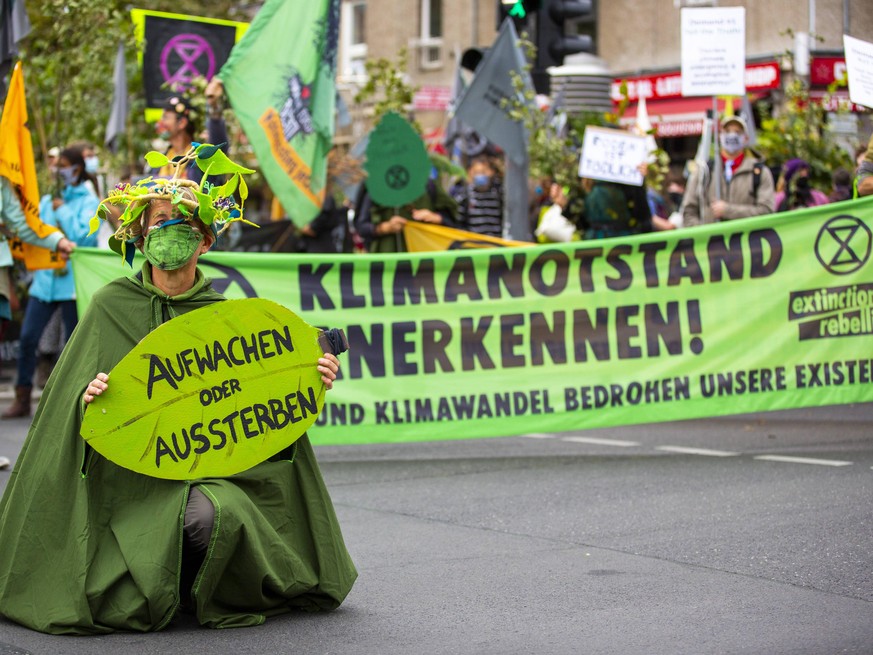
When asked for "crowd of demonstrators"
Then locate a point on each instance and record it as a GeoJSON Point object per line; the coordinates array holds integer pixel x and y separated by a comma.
{"type": "Point", "coordinates": [53, 289]}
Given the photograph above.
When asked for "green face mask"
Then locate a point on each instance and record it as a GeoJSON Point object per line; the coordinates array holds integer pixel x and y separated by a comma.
{"type": "Point", "coordinates": [170, 247]}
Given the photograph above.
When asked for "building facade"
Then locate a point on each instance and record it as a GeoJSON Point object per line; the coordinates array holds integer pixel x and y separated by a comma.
{"type": "Point", "coordinates": [634, 40]}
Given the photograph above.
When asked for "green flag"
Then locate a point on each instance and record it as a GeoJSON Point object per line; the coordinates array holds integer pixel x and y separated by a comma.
{"type": "Point", "coordinates": [280, 80]}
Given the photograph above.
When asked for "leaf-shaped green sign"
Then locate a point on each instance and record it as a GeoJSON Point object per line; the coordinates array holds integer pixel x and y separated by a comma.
{"type": "Point", "coordinates": [210, 393]}
{"type": "Point", "coordinates": [397, 163]}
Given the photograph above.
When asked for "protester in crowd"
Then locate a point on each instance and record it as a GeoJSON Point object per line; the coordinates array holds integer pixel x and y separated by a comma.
{"type": "Point", "coordinates": [744, 186]}
{"type": "Point", "coordinates": [179, 124]}
{"type": "Point", "coordinates": [53, 289]}
{"type": "Point", "coordinates": [480, 199]}
{"type": "Point", "coordinates": [841, 185]}
{"type": "Point", "coordinates": [52, 160]}
{"type": "Point", "coordinates": [92, 164]}
{"type": "Point", "coordinates": [612, 209]}
{"type": "Point", "coordinates": [133, 548]}
{"type": "Point", "coordinates": [381, 227]}
{"type": "Point", "coordinates": [793, 190]}
{"type": "Point", "coordinates": [674, 190]}
{"type": "Point", "coordinates": [329, 231]}
{"type": "Point", "coordinates": [864, 174]}
{"type": "Point", "coordinates": [14, 223]}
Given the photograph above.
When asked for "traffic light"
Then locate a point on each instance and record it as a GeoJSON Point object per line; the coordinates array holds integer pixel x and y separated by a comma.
{"type": "Point", "coordinates": [553, 43]}
{"type": "Point", "coordinates": [518, 11]}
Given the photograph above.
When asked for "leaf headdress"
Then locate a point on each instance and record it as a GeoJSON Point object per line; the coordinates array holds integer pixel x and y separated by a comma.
{"type": "Point", "coordinates": [214, 205]}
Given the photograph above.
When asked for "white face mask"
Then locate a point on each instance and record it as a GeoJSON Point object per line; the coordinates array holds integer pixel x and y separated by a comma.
{"type": "Point", "coordinates": [731, 142]}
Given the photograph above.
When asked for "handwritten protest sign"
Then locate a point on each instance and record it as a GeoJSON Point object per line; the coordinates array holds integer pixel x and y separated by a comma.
{"type": "Point", "coordinates": [211, 393]}
{"type": "Point", "coordinates": [713, 51]}
{"type": "Point", "coordinates": [612, 155]}
{"type": "Point", "coordinates": [859, 65]}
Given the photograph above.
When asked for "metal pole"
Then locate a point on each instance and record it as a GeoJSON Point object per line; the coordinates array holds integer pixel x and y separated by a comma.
{"type": "Point", "coordinates": [716, 164]}
{"type": "Point", "coordinates": [515, 201]}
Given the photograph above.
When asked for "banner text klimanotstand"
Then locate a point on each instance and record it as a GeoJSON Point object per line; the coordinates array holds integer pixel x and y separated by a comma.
{"type": "Point", "coordinates": [743, 316]}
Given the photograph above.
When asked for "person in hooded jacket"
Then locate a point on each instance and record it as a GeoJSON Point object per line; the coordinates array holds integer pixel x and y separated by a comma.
{"type": "Point", "coordinates": [793, 190]}
{"type": "Point", "coordinates": [53, 289]}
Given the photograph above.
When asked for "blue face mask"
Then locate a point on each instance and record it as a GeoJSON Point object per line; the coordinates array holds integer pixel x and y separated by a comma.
{"type": "Point", "coordinates": [481, 180]}
{"type": "Point", "coordinates": [92, 164]}
{"type": "Point", "coordinates": [68, 175]}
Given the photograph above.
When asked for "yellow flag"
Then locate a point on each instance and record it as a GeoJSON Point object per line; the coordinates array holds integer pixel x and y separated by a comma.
{"type": "Point", "coordinates": [424, 237]}
{"type": "Point", "coordinates": [16, 165]}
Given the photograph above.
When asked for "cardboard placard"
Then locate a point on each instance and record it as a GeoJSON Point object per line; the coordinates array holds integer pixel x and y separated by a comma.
{"type": "Point", "coordinates": [613, 155]}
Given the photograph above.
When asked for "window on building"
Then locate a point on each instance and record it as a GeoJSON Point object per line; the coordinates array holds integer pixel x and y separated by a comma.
{"type": "Point", "coordinates": [353, 38]}
{"type": "Point", "coordinates": [430, 53]}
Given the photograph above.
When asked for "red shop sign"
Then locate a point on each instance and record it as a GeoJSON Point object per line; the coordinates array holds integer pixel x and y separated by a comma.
{"type": "Point", "coordinates": [826, 70]}
{"type": "Point", "coordinates": [759, 77]}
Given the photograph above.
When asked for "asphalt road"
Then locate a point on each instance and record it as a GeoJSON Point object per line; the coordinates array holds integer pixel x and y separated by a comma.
{"type": "Point", "coordinates": [747, 534]}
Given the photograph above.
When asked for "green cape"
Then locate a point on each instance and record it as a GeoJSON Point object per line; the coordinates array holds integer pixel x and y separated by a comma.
{"type": "Point", "coordinates": [89, 547]}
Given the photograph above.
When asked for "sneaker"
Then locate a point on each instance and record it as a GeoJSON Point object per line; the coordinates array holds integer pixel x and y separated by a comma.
{"type": "Point", "coordinates": [4, 462]}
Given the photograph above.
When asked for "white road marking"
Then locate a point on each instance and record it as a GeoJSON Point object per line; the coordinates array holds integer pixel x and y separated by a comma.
{"type": "Point", "coordinates": [802, 460]}
{"type": "Point", "coordinates": [602, 442]}
{"type": "Point", "coordinates": [538, 435]}
{"type": "Point", "coordinates": [696, 451]}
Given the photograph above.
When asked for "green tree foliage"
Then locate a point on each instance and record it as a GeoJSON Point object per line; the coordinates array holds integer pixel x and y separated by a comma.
{"type": "Point", "coordinates": [387, 87]}
{"type": "Point", "coordinates": [801, 130]}
{"type": "Point", "coordinates": [69, 58]}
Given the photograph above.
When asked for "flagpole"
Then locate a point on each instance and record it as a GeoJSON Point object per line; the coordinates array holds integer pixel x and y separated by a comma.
{"type": "Point", "coordinates": [716, 167]}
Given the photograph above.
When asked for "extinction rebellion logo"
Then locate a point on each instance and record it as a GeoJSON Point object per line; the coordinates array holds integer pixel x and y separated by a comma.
{"type": "Point", "coordinates": [842, 247]}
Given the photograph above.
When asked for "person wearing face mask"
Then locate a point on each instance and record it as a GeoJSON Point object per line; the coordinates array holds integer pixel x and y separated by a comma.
{"type": "Point", "coordinates": [53, 290]}
{"type": "Point", "coordinates": [793, 190]}
{"type": "Point", "coordinates": [480, 199]}
{"type": "Point", "coordinates": [742, 187]}
{"type": "Point", "coordinates": [232, 550]}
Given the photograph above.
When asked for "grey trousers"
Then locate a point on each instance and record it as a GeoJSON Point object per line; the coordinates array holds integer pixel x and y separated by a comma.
{"type": "Point", "coordinates": [196, 532]}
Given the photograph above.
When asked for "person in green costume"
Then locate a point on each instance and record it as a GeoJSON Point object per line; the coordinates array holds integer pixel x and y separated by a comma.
{"type": "Point", "coordinates": [88, 547]}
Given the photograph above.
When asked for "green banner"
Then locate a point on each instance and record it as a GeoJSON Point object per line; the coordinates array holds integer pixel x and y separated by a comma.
{"type": "Point", "coordinates": [280, 81]}
{"type": "Point", "coordinates": [752, 315]}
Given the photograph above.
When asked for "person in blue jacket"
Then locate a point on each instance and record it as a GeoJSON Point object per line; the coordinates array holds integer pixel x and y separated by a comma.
{"type": "Point", "coordinates": [54, 288]}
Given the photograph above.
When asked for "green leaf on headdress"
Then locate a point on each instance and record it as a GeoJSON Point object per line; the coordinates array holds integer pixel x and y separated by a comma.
{"type": "Point", "coordinates": [206, 150]}
{"type": "Point", "coordinates": [226, 190]}
{"type": "Point", "coordinates": [156, 159]}
{"type": "Point", "coordinates": [243, 190]}
{"type": "Point", "coordinates": [177, 198]}
{"type": "Point", "coordinates": [219, 164]}
{"type": "Point", "coordinates": [94, 223]}
{"type": "Point", "coordinates": [136, 211]}
{"type": "Point", "coordinates": [206, 211]}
